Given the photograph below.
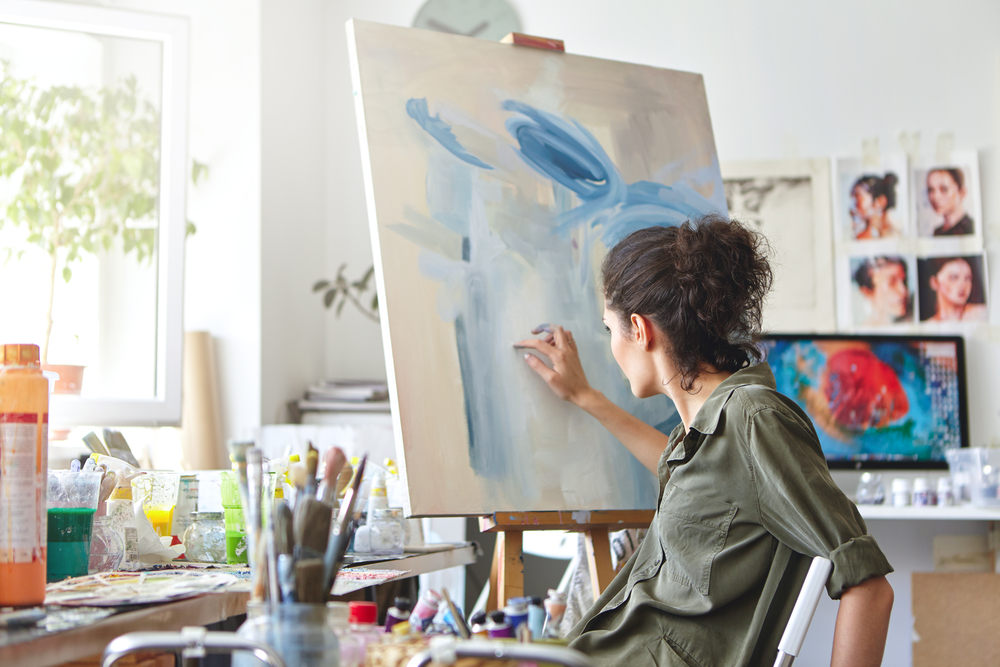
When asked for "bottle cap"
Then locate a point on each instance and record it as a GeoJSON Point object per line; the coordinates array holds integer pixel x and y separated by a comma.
{"type": "Point", "coordinates": [362, 612]}
{"type": "Point", "coordinates": [943, 484]}
{"type": "Point", "coordinates": [900, 485]}
{"type": "Point", "coordinates": [516, 606]}
{"type": "Point", "coordinates": [920, 484]}
{"type": "Point", "coordinates": [402, 604]}
{"type": "Point", "coordinates": [477, 618]}
{"type": "Point", "coordinates": [557, 595]}
{"type": "Point", "coordinates": [535, 601]}
{"type": "Point", "coordinates": [20, 354]}
{"type": "Point", "coordinates": [498, 617]}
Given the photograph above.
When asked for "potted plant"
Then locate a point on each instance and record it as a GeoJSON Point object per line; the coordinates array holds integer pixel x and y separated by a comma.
{"type": "Point", "coordinates": [82, 170]}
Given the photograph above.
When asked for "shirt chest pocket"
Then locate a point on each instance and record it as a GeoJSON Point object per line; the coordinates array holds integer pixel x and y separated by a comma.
{"type": "Point", "coordinates": [692, 532]}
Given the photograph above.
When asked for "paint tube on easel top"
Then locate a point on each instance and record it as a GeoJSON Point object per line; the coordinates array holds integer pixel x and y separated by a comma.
{"type": "Point", "coordinates": [24, 424]}
{"type": "Point", "coordinates": [497, 626]}
{"type": "Point", "coordinates": [398, 612]}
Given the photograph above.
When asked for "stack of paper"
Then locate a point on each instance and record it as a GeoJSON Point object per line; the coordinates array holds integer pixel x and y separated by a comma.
{"type": "Point", "coordinates": [346, 396]}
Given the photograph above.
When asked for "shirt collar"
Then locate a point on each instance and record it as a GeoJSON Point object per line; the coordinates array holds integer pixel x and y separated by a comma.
{"type": "Point", "coordinates": [707, 419]}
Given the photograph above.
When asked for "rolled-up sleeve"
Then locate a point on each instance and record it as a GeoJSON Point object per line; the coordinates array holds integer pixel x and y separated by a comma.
{"type": "Point", "coordinates": [801, 505]}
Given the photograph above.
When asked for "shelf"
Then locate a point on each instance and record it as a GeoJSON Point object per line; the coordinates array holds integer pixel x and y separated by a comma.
{"type": "Point", "coordinates": [933, 513]}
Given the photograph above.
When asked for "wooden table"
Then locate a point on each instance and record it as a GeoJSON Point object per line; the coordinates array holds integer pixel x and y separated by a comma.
{"type": "Point", "coordinates": [85, 642]}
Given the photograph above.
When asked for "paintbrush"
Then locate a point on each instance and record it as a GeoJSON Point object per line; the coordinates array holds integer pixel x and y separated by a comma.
{"type": "Point", "coordinates": [460, 625]}
{"type": "Point", "coordinates": [310, 527]}
{"type": "Point", "coordinates": [254, 514]}
{"type": "Point", "coordinates": [309, 581]}
{"type": "Point", "coordinates": [336, 547]}
{"type": "Point", "coordinates": [312, 465]}
{"type": "Point", "coordinates": [333, 462]}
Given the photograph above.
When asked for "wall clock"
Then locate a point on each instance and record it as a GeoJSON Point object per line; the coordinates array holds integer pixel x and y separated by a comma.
{"type": "Point", "coordinates": [486, 19]}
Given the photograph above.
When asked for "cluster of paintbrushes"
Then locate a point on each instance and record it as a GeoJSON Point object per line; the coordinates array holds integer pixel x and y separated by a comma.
{"type": "Point", "coordinates": [296, 555]}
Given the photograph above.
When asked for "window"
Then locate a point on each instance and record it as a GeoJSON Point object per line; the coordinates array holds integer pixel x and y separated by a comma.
{"type": "Point", "coordinates": [93, 169]}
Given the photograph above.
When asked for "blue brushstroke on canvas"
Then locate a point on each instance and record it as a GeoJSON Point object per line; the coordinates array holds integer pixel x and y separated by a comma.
{"type": "Point", "coordinates": [441, 131]}
{"type": "Point", "coordinates": [593, 205]}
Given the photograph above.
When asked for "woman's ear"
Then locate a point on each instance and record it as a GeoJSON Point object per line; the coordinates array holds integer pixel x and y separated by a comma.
{"type": "Point", "coordinates": [643, 330]}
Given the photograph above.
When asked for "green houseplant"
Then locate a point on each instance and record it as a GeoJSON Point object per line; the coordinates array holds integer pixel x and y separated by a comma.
{"type": "Point", "coordinates": [83, 166]}
{"type": "Point", "coordinates": [341, 290]}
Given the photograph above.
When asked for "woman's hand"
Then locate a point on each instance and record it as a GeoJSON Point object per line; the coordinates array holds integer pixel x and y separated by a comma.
{"type": "Point", "coordinates": [565, 376]}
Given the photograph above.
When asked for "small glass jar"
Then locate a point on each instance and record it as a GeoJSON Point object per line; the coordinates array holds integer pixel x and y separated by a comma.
{"type": "Point", "coordinates": [107, 547]}
{"type": "Point", "coordinates": [205, 539]}
{"type": "Point", "coordinates": [387, 531]}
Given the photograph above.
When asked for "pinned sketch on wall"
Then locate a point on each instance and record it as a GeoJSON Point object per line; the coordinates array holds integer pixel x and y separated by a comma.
{"type": "Point", "coordinates": [882, 290]}
{"type": "Point", "coordinates": [953, 288]}
{"type": "Point", "coordinates": [497, 177]}
{"type": "Point", "coordinates": [788, 201]}
{"type": "Point", "coordinates": [871, 202]}
{"type": "Point", "coordinates": [946, 197]}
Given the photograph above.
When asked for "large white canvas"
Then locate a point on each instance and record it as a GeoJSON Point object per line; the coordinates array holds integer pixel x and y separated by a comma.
{"type": "Point", "coordinates": [497, 176]}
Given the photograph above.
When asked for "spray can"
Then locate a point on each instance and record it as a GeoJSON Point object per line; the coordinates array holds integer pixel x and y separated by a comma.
{"type": "Point", "coordinates": [24, 422]}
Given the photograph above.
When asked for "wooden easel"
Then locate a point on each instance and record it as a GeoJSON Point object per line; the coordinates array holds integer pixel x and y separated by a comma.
{"type": "Point", "coordinates": [507, 572]}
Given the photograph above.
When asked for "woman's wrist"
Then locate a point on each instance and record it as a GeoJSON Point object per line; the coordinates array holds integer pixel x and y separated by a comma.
{"type": "Point", "coordinates": [589, 400]}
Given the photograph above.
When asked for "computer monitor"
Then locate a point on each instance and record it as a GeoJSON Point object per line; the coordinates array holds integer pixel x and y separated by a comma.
{"type": "Point", "coordinates": [876, 401]}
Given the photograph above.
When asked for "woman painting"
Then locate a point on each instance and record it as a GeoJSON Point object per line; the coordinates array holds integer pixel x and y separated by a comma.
{"type": "Point", "coordinates": [946, 195]}
{"type": "Point", "coordinates": [951, 290]}
{"type": "Point", "coordinates": [873, 197]}
{"type": "Point", "coordinates": [746, 499]}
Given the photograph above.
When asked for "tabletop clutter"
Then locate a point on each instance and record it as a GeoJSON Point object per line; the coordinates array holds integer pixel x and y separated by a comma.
{"type": "Point", "coordinates": [294, 520]}
{"type": "Point", "coordinates": [973, 478]}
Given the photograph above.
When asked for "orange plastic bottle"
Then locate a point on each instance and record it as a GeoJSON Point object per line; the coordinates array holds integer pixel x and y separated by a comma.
{"type": "Point", "coordinates": [24, 420]}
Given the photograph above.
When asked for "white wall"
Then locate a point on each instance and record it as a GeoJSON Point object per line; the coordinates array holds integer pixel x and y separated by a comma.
{"type": "Point", "coordinates": [785, 79]}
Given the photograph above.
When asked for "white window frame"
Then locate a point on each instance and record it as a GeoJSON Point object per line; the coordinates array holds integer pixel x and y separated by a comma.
{"type": "Point", "coordinates": [164, 408]}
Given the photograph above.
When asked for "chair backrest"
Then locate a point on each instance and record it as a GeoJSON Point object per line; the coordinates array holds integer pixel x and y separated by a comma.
{"type": "Point", "coordinates": [802, 613]}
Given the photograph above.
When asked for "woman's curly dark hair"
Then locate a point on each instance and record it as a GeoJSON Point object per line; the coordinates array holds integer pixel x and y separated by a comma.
{"type": "Point", "coordinates": [702, 283]}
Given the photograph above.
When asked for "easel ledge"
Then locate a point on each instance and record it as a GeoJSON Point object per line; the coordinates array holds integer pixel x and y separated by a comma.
{"type": "Point", "coordinates": [507, 573]}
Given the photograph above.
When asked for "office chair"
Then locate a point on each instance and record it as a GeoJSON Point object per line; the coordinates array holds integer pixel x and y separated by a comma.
{"type": "Point", "coordinates": [802, 613]}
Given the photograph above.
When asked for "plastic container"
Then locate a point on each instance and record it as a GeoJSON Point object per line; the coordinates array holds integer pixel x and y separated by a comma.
{"type": "Point", "coordinates": [871, 490]}
{"type": "Point", "coordinates": [362, 618]}
{"type": "Point", "coordinates": [107, 547]}
{"type": "Point", "coordinates": [922, 493]}
{"type": "Point", "coordinates": [158, 492]}
{"type": "Point", "coordinates": [236, 529]}
{"type": "Point", "coordinates": [352, 649]}
{"type": "Point", "coordinates": [901, 494]}
{"type": "Point", "coordinates": [24, 417]}
{"type": "Point", "coordinates": [975, 471]}
{"type": "Point", "coordinates": [72, 502]}
{"type": "Point", "coordinates": [300, 633]}
{"type": "Point", "coordinates": [945, 496]}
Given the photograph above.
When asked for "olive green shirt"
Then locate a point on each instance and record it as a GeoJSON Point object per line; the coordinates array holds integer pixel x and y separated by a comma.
{"type": "Point", "coordinates": [746, 501]}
